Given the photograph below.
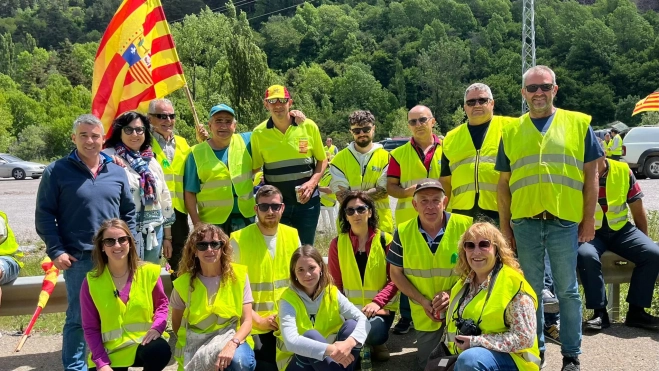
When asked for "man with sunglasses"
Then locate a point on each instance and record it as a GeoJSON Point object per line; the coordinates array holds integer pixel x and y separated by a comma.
{"type": "Point", "coordinates": [266, 248]}
{"type": "Point", "coordinates": [548, 188]}
{"type": "Point", "coordinates": [362, 166]}
{"type": "Point", "coordinates": [293, 160]}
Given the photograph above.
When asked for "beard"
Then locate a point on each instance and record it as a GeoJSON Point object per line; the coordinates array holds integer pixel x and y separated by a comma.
{"type": "Point", "coordinates": [269, 223]}
{"type": "Point", "coordinates": [363, 143]}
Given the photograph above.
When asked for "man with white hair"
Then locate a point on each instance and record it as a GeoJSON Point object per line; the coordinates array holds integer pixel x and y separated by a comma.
{"type": "Point", "coordinates": [76, 194]}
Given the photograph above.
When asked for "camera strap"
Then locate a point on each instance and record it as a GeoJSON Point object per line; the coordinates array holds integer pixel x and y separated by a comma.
{"type": "Point", "coordinates": [495, 274]}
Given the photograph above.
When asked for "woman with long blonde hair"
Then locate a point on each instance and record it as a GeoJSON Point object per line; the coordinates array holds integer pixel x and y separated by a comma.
{"type": "Point", "coordinates": [212, 305]}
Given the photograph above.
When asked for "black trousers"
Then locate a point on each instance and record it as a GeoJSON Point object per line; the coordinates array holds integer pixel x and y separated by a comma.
{"type": "Point", "coordinates": [152, 357]}
{"type": "Point", "coordinates": [180, 232]}
{"type": "Point", "coordinates": [266, 356]}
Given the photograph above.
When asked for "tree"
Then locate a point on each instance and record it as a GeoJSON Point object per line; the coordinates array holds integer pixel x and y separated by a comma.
{"type": "Point", "coordinates": [650, 118]}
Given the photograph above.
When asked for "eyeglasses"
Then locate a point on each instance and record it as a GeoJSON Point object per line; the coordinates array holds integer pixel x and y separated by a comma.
{"type": "Point", "coordinates": [483, 245]}
{"type": "Point", "coordinates": [365, 130]}
{"type": "Point", "coordinates": [534, 87]}
{"type": "Point", "coordinates": [350, 211]}
{"type": "Point", "coordinates": [420, 121]}
{"type": "Point", "coordinates": [265, 207]}
{"type": "Point", "coordinates": [214, 245]}
{"type": "Point", "coordinates": [275, 100]}
{"type": "Point", "coordinates": [164, 116]}
{"type": "Point", "coordinates": [130, 130]}
{"type": "Point", "coordinates": [109, 242]}
{"type": "Point", "coordinates": [480, 101]}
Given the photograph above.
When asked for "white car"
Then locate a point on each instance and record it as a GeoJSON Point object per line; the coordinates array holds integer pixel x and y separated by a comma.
{"type": "Point", "coordinates": [14, 167]}
{"type": "Point", "coordinates": [640, 149]}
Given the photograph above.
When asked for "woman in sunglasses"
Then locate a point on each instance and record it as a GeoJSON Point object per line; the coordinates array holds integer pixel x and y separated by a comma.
{"type": "Point", "coordinates": [123, 305]}
{"type": "Point", "coordinates": [491, 315]}
{"type": "Point", "coordinates": [212, 305]}
{"type": "Point", "coordinates": [358, 265]}
{"type": "Point", "coordinates": [130, 146]}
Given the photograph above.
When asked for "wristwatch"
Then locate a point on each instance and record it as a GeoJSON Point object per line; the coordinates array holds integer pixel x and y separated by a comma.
{"type": "Point", "coordinates": [168, 238]}
{"type": "Point", "coordinates": [236, 341]}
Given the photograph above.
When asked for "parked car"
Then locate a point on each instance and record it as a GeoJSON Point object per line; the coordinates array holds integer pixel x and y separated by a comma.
{"type": "Point", "coordinates": [392, 143]}
{"type": "Point", "coordinates": [12, 166]}
{"type": "Point", "coordinates": [640, 149]}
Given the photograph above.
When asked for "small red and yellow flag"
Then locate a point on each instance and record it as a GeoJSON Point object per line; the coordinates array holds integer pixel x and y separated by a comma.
{"type": "Point", "coordinates": [649, 103]}
{"type": "Point", "coordinates": [136, 61]}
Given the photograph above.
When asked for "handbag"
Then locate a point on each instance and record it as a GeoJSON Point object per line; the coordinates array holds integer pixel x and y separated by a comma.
{"type": "Point", "coordinates": [440, 358]}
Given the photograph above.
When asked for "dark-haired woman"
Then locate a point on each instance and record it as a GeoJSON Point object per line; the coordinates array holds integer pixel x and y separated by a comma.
{"type": "Point", "coordinates": [320, 329]}
{"type": "Point", "coordinates": [131, 144]}
{"type": "Point", "coordinates": [358, 265]}
{"type": "Point", "coordinates": [123, 305]}
{"type": "Point", "coordinates": [212, 306]}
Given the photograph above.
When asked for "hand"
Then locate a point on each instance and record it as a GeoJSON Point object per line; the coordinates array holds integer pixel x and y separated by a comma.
{"type": "Point", "coordinates": [370, 309]}
{"type": "Point", "coordinates": [587, 230]}
{"type": "Point", "coordinates": [64, 261]}
{"type": "Point", "coordinates": [268, 323]}
{"type": "Point", "coordinates": [342, 352]}
{"type": "Point", "coordinates": [150, 335]}
{"type": "Point", "coordinates": [202, 134]}
{"type": "Point", "coordinates": [463, 342]}
{"type": "Point", "coordinates": [440, 301]}
{"type": "Point", "coordinates": [105, 368]}
{"type": "Point", "coordinates": [298, 116]}
{"type": "Point", "coordinates": [507, 231]}
{"type": "Point", "coordinates": [117, 160]}
{"type": "Point", "coordinates": [167, 248]}
{"type": "Point", "coordinates": [306, 190]}
{"type": "Point", "coordinates": [226, 356]}
{"type": "Point", "coordinates": [430, 312]}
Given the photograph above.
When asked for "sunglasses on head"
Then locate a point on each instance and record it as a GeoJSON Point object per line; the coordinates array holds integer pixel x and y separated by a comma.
{"type": "Point", "coordinates": [419, 121]}
{"type": "Point", "coordinates": [214, 245]}
{"type": "Point", "coordinates": [109, 242]}
{"type": "Point", "coordinates": [275, 100]}
{"type": "Point", "coordinates": [365, 130]}
{"type": "Point", "coordinates": [130, 130]}
{"type": "Point", "coordinates": [164, 116]}
{"type": "Point", "coordinates": [350, 211]}
{"type": "Point", "coordinates": [480, 101]}
{"type": "Point", "coordinates": [265, 207]}
{"type": "Point", "coordinates": [534, 87]}
{"type": "Point", "coordinates": [483, 245]}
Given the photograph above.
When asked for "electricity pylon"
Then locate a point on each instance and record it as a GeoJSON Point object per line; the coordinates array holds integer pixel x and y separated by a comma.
{"type": "Point", "coordinates": [528, 40]}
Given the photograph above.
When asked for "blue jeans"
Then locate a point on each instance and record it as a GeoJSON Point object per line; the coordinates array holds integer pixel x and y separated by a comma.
{"type": "Point", "coordinates": [559, 239]}
{"type": "Point", "coordinates": [301, 363]}
{"type": "Point", "coordinates": [404, 307]}
{"type": "Point", "coordinates": [73, 340]}
{"type": "Point", "coordinates": [304, 218]}
{"type": "Point", "coordinates": [481, 359]}
{"type": "Point", "coordinates": [380, 326]}
{"type": "Point", "coordinates": [9, 268]}
{"type": "Point", "coordinates": [550, 318]}
{"type": "Point", "coordinates": [243, 359]}
{"type": "Point", "coordinates": [153, 255]}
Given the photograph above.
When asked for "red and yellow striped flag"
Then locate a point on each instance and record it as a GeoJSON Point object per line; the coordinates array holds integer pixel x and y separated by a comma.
{"type": "Point", "coordinates": [649, 103]}
{"type": "Point", "coordinates": [136, 61]}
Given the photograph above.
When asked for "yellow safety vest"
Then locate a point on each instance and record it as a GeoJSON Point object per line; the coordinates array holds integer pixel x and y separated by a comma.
{"type": "Point", "coordinates": [268, 277]}
{"type": "Point", "coordinates": [10, 246]}
{"type": "Point", "coordinates": [326, 199]}
{"type": "Point", "coordinates": [215, 201]}
{"type": "Point", "coordinates": [367, 178]}
{"type": "Point", "coordinates": [430, 273]}
{"type": "Point", "coordinates": [472, 171]}
{"type": "Point", "coordinates": [174, 170]}
{"type": "Point", "coordinates": [607, 148]}
{"type": "Point", "coordinates": [328, 320]}
{"type": "Point", "coordinates": [617, 187]}
{"type": "Point", "coordinates": [375, 275]}
{"type": "Point", "coordinates": [330, 151]}
{"type": "Point", "coordinates": [203, 317]}
{"type": "Point", "coordinates": [123, 326]}
{"type": "Point", "coordinates": [547, 170]}
{"type": "Point", "coordinates": [617, 151]}
{"type": "Point", "coordinates": [412, 171]}
{"type": "Point", "coordinates": [491, 313]}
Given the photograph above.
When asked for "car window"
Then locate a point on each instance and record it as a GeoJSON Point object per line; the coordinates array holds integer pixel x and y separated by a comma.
{"type": "Point", "coordinates": [10, 158]}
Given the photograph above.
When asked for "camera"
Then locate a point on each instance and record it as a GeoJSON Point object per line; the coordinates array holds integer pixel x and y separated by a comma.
{"type": "Point", "coordinates": [467, 327]}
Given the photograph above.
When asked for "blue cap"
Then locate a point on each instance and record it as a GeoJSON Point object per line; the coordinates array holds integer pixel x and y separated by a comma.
{"type": "Point", "coordinates": [222, 108]}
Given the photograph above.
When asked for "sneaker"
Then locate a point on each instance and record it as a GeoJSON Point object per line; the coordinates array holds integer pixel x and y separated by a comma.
{"type": "Point", "coordinates": [380, 353]}
{"type": "Point", "coordinates": [642, 320]}
{"type": "Point", "coordinates": [598, 322]}
{"type": "Point", "coordinates": [552, 333]}
{"type": "Point", "coordinates": [571, 364]}
{"type": "Point", "coordinates": [549, 302]}
{"type": "Point", "coordinates": [543, 361]}
{"type": "Point", "coordinates": [403, 326]}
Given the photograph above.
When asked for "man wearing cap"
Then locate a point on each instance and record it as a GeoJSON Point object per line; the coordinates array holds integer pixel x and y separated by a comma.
{"type": "Point", "coordinates": [293, 160]}
{"type": "Point", "coordinates": [330, 149]}
{"type": "Point", "coordinates": [615, 148]}
{"type": "Point", "coordinates": [218, 175]}
{"type": "Point", "coordinates": [425, 271]}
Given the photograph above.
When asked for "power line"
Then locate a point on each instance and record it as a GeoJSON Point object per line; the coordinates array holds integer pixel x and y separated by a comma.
{"type": "Point", "coordinates": [279, 10]}
{"type": "Point", "coordinates": [221, 9]}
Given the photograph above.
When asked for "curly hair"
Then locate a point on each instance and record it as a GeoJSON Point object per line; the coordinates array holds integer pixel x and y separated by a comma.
{"type": "Point", "coordinates": [124, 120]}
{"type": "Point", "coordinates": [344, 224]}
{"type": "Point", "coordinates": [489, 232]}
{"type": "Point", "coordinates": [100, 258]}
{"type": "Point", "coordinates": [190, 263]}
{"type": "Point", "coordinates": [308, 251]}
{"type": "Point", "coordinates": [361, 118]}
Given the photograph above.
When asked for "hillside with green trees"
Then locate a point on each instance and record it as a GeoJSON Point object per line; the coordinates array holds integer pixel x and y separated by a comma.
{"type": "Point", "coordinates": [335, 57]}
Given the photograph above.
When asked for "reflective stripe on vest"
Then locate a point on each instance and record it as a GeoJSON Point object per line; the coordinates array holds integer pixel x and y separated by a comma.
{"type": "Point", "coordinates": [617, 188]}
{"type": "Point", "coordinates": [272, 178]}
{"type": "Point", "coordinates": [430, 273]}
{"type": "Point", "coordinates": [10, 246]}
{"type": "Point", "coordinates": [547, 170]}
{"type": "Point", "coordinates": [174, 171]}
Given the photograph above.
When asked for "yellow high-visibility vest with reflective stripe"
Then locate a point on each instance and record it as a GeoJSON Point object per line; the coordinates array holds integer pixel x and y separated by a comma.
{"type": "Point", "coordinates": [174, 170]}
{"type": "Point", "coordinates": [123, 326]}
{"type": "Point", "coordinates": [326, 199]}
{"type": "Point", "coordinates": [617, 151]}
{"type": "Point", "coordinates": [375, 275]}
{"type": "Point", "coordinates": [430, 273]}
{"type": "Point", "coordinates": [268, 277]}
{"type": "Point", "coordinates": [10, 246]}
{"type": "Point", "coordinates": [327, 322]}
{"type": "Point", "coordinates": [412, 171]}
{"type": "Point", "coordinates": [617, 187]}
{"type": "Point", "coordinates": [491, 313]}
{"type": "Point", "coordinates": [367, 178]}
{"type": "Point", "coordinates": [330, 151]}
{"type": "Point", "coordinates": [215, 201]}
{"type": "Point", "coordinates": [547, 170]}
{"type": "Point", "coordinates": [607, 147]}
{"type": "Point", "coordinates": [472, 171]}
{"type": "Point", "coordinates": [203, 317]}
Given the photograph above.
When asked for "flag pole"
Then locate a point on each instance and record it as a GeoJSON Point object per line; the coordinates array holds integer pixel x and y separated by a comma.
{"type": "Point", "coordinates": [202, 134]}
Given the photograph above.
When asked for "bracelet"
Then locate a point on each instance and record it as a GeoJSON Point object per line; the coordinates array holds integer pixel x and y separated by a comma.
{"type": "Point", "coordinates": [236, 341]}
{"type": "Point", "coordinates": [167, 238]}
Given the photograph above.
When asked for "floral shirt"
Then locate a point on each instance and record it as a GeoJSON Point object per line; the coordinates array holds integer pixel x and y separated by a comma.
{"type": "Point", "coordinates": [519, 318]}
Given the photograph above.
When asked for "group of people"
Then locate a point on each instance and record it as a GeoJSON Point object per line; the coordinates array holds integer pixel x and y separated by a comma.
{"type": "Point", "coordinates": [489, 223]}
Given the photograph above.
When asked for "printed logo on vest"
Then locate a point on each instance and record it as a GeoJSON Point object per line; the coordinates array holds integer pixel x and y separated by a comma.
{"type": "Point", "coordinates": [303, 145]}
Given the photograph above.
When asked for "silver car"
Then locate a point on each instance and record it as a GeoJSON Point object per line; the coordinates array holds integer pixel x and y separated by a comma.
{"type": "Point", "coordinates": [12, 166]}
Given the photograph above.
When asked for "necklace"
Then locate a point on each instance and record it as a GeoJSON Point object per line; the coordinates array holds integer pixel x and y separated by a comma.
{"type": "Point", "coordinates": [126, 272]}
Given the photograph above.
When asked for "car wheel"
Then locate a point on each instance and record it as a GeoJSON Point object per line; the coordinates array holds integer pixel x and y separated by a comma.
{"type": "Point", "coordinates": [18, 174]}
{"type": "Point", "coordinates": [639, 174]}
{"type": "Point", "coordinates": [651, 168]}
{"type": "Point", "coordinates": [36, 177]}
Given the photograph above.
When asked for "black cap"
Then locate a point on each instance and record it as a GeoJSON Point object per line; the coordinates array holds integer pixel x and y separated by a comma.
{"type": "Point", "coordinates": [428, 183]}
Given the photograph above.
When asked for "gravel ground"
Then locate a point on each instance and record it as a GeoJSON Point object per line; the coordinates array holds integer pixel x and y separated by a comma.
{"type": "Point", "coordinates": [617, 348]}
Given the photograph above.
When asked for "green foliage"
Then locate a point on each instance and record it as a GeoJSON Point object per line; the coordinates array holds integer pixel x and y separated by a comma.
{"type": "Point", "coordinates": [650, 118]}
